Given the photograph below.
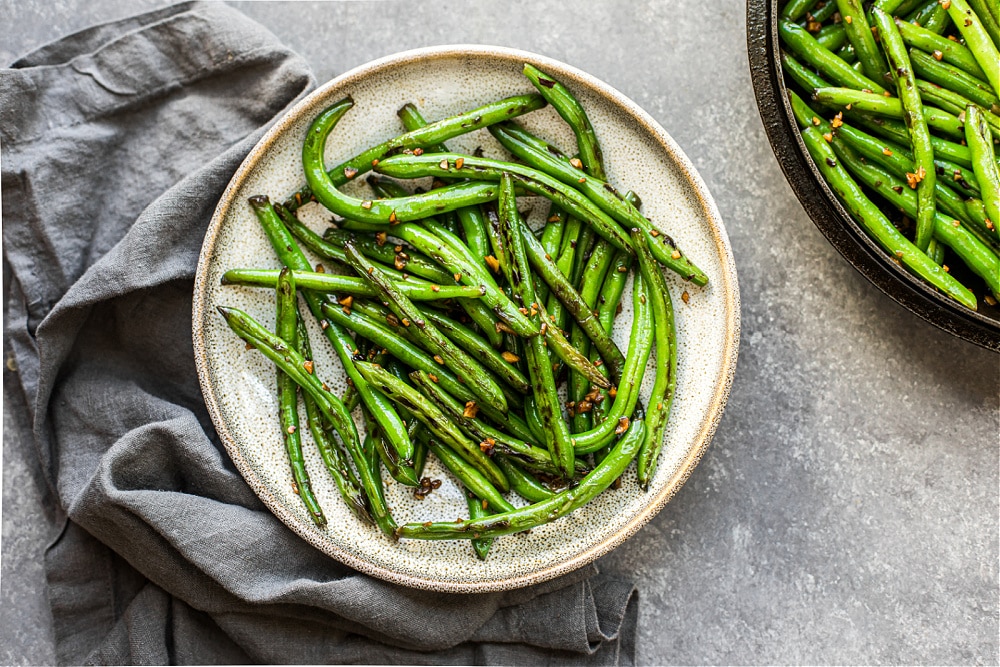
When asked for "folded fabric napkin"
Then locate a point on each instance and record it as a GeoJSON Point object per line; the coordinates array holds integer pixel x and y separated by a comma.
{"type": "Point", "coordinates": [116, 144]}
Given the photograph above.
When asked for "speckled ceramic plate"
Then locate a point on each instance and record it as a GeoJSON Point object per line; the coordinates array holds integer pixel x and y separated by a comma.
{"type": "Point", "coordinates": [239, 385]}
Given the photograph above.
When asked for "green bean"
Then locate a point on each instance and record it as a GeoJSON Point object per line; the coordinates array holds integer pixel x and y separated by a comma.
{"type": "Point", "coordinates": [380, 211]}
{"type": "Point", "coordinates": [606, 197]}
{"type": "Point", "coordinates": [626, 395]}
{"type": "Point", "coordinates": [399, 469]}
{"type": "Point", "coordinates": [988, 232]}
{"type": "Point", "coordinates": [333, 458]}
{"type": "Point", "coordinates": [973, 252]}
{"type": "Point", "coordinates": [288, 399]}
{"type": "Point", "coordinates": [575, 305]}
{"type": "Point", "coordinates": [872, 219]}
{"type": "Point", "coordinates": [522, 483]}
{"type": "Point", "coordinates": [984, 164]}
{"type": "Point", "coordinates": [860, 35]}
{"type": "Point", "coordinates": [832, 36]}
{"type": "Point", "coordinates": [954, 103]}
{"type": "Point", "coordinates": [468, 475]}
{"type": "Point", "coordinates": [292, 363]}
{"type": "Point", "coordinates": [440, 346]}
{"type": "Point", "coordinates": [418, 290]}
{"type": "Point", "coordinates": [897, 7]}
{"type": "Point", "coordinates": [473, 344]}
{"type": "Point", "coordinates": [290, 255]}
{"type": "Point", "coordinates": [481, 547]}
{"type": "Point", "coordinates": [431, 417]}
{"type": "Point", "coordinates": [914, 114]}
{"type": "Point", "coordinates": [399, 347]}
{"type": "Point", "coordinates": [476, 310]}
{"type": "Point", "coordinates": [609, 301]}
{"type": "Point", "coordinates": [896, 131]}
{"type": "Point", "coordinates": [988, 14]}
{"type": "Point", "coordinates": [482, 169]}
{"type": "Point", "coordinates": [982, 44]}
{"type": "Point", "coordinates": [425, 137]}
{"type": "Point", "coordinates": [888, 106]}
{"type": "Point", "coordinates": [665, 378]}
{"type": "Point", "coordinates": [950, 51]}
{"type": "Point", "coordinates": [491, 438]}
{"type": "Point", "coordinates": [567, 352]}
{"type": "Point", "coordinates": [795, 9]}
{"type": "Point", "coordinates": [822, 13]}
{"type": "Point", "coordinates": [805, 46]}
{"type": "Point", "coordinates": [954, 79]}
{"type": "Point", "coordinates": [539, 370]}
{"type": "Point", "coordinates": [546, 511]}
{"type": "Point", "coordinates": [552, 234]}
{"type": "Point", "coordinates": [471, 219]}
{"type": "Point", "coordinates": [567, 106]}
{"type": "Point", "coordinates": [332, 247]}
{"type": "Point", "coordinates": [579, 385]}
{"type": "Point", "coordinates": [931, 16]}
{"type": "Point", "coordinates": [467, 273]}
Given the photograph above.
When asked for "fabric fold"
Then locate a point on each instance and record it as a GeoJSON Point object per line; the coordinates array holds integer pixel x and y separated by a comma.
{"type": "Point", "coordinates": [117, 143]}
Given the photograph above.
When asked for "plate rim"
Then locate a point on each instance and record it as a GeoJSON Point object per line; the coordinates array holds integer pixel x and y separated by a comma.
{"type": "Point", "coordinates": [822, 206]}
{"type": "Point", "coordinates": [723, 381]}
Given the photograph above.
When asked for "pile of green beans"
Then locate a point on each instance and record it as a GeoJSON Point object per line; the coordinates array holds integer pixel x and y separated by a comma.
{"type": "Point", "coordinates": [462, 331]}
{"type": "Point", "coordinates": [899, 105]}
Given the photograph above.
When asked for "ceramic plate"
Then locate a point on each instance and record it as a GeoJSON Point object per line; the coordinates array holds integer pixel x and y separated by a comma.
{"type": "Point", "coordinates": [239, 385]}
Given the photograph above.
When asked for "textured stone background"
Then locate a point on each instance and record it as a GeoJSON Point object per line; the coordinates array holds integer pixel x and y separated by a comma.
{"type": "Point", "coordinates": [847, 510]}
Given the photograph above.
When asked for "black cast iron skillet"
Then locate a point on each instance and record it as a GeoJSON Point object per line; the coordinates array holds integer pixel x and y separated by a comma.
{"type": "Point", "coordinates": [981, 328]}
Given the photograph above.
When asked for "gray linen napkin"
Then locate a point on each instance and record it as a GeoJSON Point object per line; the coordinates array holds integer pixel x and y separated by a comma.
{"type": "Point", "coordinates": [116, 145]}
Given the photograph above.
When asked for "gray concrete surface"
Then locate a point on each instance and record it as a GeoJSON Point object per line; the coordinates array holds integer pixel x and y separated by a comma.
{"type": "Point", "coordinates": [847, 510]}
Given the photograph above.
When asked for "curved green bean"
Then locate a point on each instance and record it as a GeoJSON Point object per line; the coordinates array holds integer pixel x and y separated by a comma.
{"type": "Point", "coordinates": [425, 137]}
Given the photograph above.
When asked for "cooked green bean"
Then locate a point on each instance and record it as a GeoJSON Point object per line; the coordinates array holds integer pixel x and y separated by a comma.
{"type": "Point", "coordinates": [546, 511]}
{"type": "Point", "coordinates": [949, 50]}
{"type": "Point", "coordinates": [288, 399]}
{"type": "Point", "coordinates": [481, 547]}
{"type": "Point", "coordinates": [543, 385]}
{"type": "Point", "coordinates": [980, 41]}
{"type": "Point", "coordinates": [425, 137]}
{"type": "Point", "coordinates": [984, 164]}
{"type": "Point", "coordinates": [522, 483]}
{"type": "Point", "coordinates": [877, 224]}
{"type": "Point", "coordinates": [805, 46]}
{"type": "Point", "coordinates": [973, 252]}
{"type": "Point", "coordinates": [329, 449]}
{"type": "Point", "coordinates": [381, 211]}
{"type": "Point", "coordinates": [888, 106]}
{"type": "Point", "coordinates": [290, 255]}
{"type": "Point", "coordinates": [434, 420]}
{"type": "Point", "coordinates": [492, 438]}
{"type": "Point", "coordinates": [470, 477]}
{"type": "Point", "coordinates": [626, 394]}
{"type": "Point", "coordinates": [606, 198]}
{"type": "Point", "coordinates": [859, 33]}
{"type": "Point", "coordinates": [575, 305]}
{"type": "Point", "coordinates": [440, 346]}
{"type": "Point", "coordinates": [332, 246]}
{"type": "Point", "coordinates": [413, 288]}
{"type": "Point", "coordinates": [952, 78]}
{"type": "Point", "coordinates": [567, 106]}
{"type": "Point", "coordinates": [292, 363]}
{"type": "Point", "coordinates": [665, 378]}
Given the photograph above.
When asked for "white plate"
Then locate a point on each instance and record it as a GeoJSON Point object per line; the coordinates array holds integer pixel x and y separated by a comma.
{"type": "Point", "coordinates": [239, 385]}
